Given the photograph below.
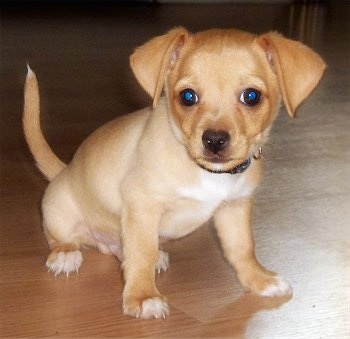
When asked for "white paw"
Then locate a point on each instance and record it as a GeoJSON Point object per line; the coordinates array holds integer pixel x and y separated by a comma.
{"type": "Point", "coordinates": [64, 262]}
{"type": "Point", "coordinates": [163, 261]}
{"type": "Point", "coordinates": [154, 308]}
{"type": "Point", "coordinates": [279, 289]}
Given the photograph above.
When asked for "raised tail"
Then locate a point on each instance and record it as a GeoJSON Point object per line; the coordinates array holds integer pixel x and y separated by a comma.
{"type": "Point", "coordinates": [47, 161]}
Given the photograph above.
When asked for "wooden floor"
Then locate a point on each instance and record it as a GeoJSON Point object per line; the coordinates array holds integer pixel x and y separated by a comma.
{"type": "Point", "coordinates": [302, 209]}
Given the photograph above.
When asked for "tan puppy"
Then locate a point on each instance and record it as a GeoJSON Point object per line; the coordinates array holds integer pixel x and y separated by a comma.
{"type": "Point", "coordinates": [162, 172]}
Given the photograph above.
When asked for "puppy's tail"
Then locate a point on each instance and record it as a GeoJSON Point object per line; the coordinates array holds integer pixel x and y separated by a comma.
{"type": "Point", "coordinates": [47, 161]}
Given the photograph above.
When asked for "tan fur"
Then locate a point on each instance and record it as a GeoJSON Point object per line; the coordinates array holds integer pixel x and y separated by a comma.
{"type": "Point", "coordinates": [49, 164]}
{"type": "Point", "coordinates": [148, 175]}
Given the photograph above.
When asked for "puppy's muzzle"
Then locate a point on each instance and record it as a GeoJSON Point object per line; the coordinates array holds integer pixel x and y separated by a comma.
{"type": "Point", "coordinates": [217, 148]}
{"type": "Point", "coordinates": [215, 141]}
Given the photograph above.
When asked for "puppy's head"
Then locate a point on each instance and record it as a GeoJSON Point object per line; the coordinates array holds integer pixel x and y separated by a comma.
{"type": "Point", "coordinates": [224, 88]}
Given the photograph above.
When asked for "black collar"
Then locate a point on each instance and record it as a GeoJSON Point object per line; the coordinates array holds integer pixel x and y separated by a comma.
{"type": "Point", "coordinates": [238, 169]}
{"type": "Point", "coordinates": [241, 168]}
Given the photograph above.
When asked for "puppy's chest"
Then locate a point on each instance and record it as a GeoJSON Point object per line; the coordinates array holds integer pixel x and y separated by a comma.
{"type": "Point", "coordinates": [194, 204]}
{"type": "Point", "coordinates": [215, 188]}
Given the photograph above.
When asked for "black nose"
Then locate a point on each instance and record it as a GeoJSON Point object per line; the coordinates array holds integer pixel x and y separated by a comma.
{"type": "Point", "coordinates": [215, 141]}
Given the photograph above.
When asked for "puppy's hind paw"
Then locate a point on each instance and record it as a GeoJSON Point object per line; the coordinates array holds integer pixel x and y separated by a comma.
{"type": "Point", "coordinates": [64, 262]}
{"type": "Point", "coordinates": [163, 261]}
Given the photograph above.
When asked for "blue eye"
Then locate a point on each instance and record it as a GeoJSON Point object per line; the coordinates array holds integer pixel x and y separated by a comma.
{"type": "Point", "coordinates": [250, 97]}
{"type": "Point", "coordinates": [188, 97]}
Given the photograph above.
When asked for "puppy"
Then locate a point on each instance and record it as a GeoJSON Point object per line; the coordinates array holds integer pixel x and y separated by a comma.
{"type": "Point", "coordinates": [161, 172]}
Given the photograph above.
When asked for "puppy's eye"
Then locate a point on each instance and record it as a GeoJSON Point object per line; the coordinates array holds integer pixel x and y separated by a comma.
{"type": "Point", "coordinates": [250, 97]}
{"type": "Point", "coordinates": [188, 97]}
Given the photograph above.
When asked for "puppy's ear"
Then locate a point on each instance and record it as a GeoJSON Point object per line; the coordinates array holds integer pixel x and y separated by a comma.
{"type": "Point", "coordinates": [151, 62]}
{"type": "Point", "coordinates": [298, 68]}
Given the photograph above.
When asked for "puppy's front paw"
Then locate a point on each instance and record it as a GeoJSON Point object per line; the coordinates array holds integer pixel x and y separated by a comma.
{"type": "Point", "coordinates": [266, 284]}
{"type": "Point", "coordinates": [278, 288]}
{"type": "Point", "coordinates": [155, 307]}
{"type": "Point", "coordinates": [162, 262]}
{"type": "Point", "coordinates": [64, 262]}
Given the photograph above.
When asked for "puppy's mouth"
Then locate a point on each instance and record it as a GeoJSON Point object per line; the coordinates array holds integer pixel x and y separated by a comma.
{"type": "Point", "coordinates": [216, 159]}
{"type": "Point", "coordinates": [220, 166]}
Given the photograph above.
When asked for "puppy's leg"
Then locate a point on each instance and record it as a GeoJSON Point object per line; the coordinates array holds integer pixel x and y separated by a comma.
{"type": "Point", "coordinates": [233, 223]}
{"type": "Point", "coordinates": [65, 255]}
{"type": "Point", "coordinates": [141, 298]}
{"type": "Point", "coordinates": [64, 230]}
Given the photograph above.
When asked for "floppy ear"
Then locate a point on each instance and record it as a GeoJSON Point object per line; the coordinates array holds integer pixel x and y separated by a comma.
{"type": "Point", "coordinates": [298, 68]}
{"type": "Point", "coordinates": [151, 61]}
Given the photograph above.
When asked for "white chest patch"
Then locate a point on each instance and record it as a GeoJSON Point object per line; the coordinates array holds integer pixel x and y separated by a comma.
{"type": "Point", "coordinates": [215, 188]}
{"type": "Point", "coordinates": [197, 203]}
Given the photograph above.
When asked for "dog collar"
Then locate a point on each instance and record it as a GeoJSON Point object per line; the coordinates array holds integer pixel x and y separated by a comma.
{"type": "Point", "coordinates": [243, 166]}
{"type": "Point", "coordinates": [238, 169]}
